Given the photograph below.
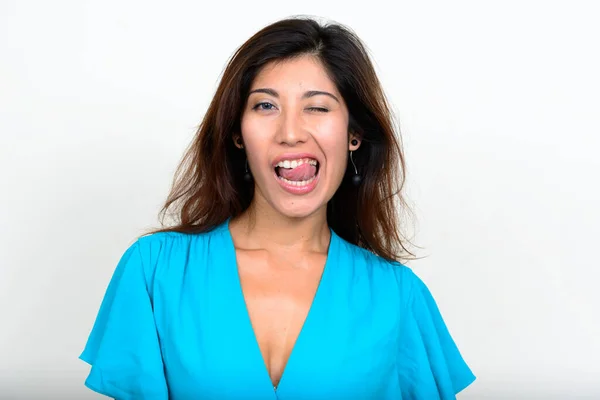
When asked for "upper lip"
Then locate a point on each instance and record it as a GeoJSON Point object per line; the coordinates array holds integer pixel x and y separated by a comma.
{"type": "Point", "coordinates": [294, 156]}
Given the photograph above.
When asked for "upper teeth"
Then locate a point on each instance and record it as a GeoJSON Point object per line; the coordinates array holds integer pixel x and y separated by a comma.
{"type": "Point", "coordinates": [295, 163]}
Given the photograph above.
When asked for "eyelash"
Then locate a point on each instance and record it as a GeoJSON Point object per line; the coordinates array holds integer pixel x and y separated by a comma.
{"type": "Point", "coordinates": [317, 109]}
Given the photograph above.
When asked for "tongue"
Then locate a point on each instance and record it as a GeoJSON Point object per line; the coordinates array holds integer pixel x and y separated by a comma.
{"type": "Point", "coordinates": [300, 173]}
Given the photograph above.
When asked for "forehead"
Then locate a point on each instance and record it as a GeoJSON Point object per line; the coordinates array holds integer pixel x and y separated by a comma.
{"type": "Point", "coordinates": [296, 74]}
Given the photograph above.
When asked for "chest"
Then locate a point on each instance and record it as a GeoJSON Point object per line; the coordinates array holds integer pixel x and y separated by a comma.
{"type": "Point", "coordinates": [278, 292]}
{"type": "Point", "coordinates": [230, 333]}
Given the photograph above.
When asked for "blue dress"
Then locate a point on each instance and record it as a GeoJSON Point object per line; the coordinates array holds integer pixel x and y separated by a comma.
{"type": "Point", "coordinates": [174, 325]}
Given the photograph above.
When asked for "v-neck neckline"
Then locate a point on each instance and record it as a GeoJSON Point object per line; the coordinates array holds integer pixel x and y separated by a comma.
{"type": "Point", "coordinates": [306, 325]}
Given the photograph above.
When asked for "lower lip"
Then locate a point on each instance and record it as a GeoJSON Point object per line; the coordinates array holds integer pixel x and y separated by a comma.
{"type": "Point", "coordinates": [297, 189]}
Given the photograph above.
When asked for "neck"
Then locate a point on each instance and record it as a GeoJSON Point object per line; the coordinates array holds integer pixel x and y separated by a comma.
{"type": "Point", "coordinates": [262, 227]}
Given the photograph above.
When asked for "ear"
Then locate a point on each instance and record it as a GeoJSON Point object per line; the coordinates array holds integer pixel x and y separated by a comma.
{"type": "Point", "coordinates": [238, 141]}
{"type": "Point", "coordinates": [354, 141]}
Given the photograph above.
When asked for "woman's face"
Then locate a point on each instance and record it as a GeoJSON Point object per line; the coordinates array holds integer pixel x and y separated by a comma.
{"type": "Point", "coordinates": [295, 133]}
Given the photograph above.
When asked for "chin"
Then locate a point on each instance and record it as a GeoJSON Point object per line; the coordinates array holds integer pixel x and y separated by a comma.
{"type": "Point", "coordinates": [298, 208]}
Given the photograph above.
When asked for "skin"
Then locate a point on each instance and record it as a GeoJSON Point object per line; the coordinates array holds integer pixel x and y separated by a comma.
{"type": "Point", "coordinates": [282, 240]}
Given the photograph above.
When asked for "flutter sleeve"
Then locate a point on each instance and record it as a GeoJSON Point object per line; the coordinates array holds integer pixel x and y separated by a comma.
{"type": "Point", "coordinates": [430, 365]}
{"type": "Point", "coordinates": [123, 347]}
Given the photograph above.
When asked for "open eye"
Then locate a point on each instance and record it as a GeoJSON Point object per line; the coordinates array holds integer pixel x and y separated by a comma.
{"type": "Point", "coordinates": [264, 106]}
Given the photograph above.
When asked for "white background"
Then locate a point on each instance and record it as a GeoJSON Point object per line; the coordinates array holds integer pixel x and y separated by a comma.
{"type": "Point", "coordinates": [498, 104]}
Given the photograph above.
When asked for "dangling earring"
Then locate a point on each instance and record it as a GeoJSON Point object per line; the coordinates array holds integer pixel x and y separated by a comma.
{"type": "Point", "coordinates": [356, 178]}
{"type": "Point", "coordinates": [247, 175]}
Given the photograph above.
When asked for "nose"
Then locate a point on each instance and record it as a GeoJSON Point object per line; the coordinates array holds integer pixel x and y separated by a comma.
{"type": "Point", "coordinates": [291, 130]}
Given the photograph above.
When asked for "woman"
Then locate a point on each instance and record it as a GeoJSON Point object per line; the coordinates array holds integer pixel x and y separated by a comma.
{"type": "Point", "coordinates": [282, 278]}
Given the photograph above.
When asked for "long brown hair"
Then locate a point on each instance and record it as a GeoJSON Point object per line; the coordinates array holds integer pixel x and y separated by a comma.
{"type": "Point", "coordinates": [208, 187]}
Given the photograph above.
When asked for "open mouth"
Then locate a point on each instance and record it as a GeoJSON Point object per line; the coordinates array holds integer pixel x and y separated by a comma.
{"type": "Point", "coordinates": [300, 173]}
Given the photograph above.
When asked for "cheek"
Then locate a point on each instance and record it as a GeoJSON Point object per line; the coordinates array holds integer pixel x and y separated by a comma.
{"type": "Point", "coordinates": [333, 137]}
{"type": "Point", "coordinates": [254, 133]}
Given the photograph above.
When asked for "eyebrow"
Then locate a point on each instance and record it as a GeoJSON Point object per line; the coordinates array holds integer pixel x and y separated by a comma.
{"type": "Point", "coordinates": [306, 95]}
